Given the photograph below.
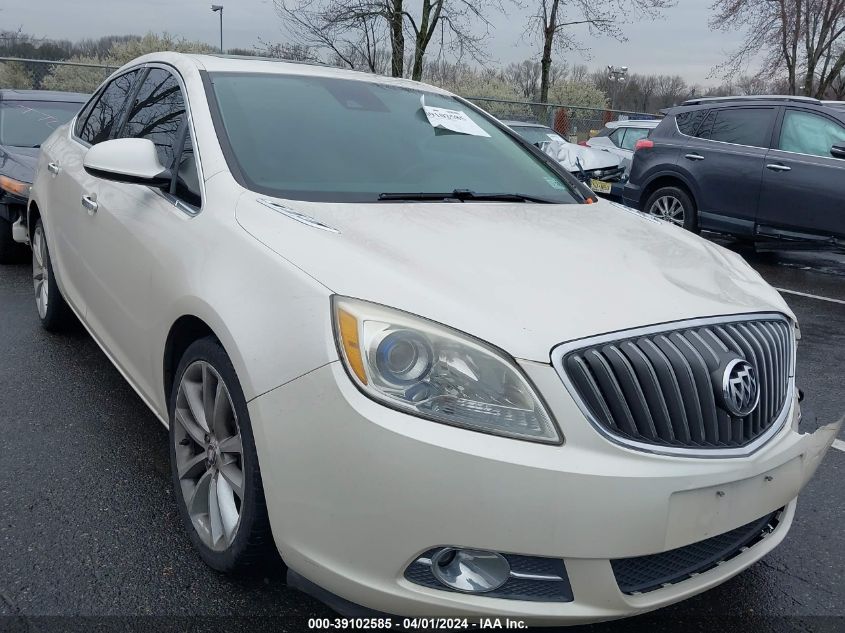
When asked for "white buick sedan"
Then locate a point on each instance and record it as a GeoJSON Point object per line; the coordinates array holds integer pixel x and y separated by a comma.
{"type": "Point", "coordinates": [406, 350]}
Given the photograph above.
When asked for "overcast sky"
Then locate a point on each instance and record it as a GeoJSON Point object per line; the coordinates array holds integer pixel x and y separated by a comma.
{"type": "Point", "coordinates": [679, 43]}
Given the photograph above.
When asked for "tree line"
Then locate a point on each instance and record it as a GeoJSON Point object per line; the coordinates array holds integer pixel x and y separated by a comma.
{"type": "Point", "coordinates": [790, 47]}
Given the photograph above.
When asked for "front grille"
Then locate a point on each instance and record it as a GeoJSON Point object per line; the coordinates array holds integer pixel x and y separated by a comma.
{"type": "Point", "coordinates": [608, 174]}
{"type": "Point", "coordinates": [647, 573]}
{"type": "Point", "coordinates": [661, 386]}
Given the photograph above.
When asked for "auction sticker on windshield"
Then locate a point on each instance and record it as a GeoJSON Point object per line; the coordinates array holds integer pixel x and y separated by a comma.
{"type": "Point", "coordinates": [452, 120]}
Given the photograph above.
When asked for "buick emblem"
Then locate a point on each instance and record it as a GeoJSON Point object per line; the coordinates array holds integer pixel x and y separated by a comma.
{"type": "Point", "coordinates": [740, 389]}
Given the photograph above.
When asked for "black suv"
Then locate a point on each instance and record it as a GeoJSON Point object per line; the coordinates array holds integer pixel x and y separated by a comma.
{"type": "Point", "coordinates": [27, 118]}
{"type": "Point", "coordinates": [760, 168]}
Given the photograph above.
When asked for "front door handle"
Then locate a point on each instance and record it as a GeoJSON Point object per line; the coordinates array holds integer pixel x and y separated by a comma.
{"type": "Point", "coordinates": [776, 167]}
{"type": "Point", "coordinates": [53, 168]}
{"type": "Point", "coordinates": [694, 157]}
{"type": "Point", "coordinates": [90, 203]}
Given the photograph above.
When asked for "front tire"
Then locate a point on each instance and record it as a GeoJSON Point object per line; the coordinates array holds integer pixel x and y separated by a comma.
{"type": "Point", "coordinates": [53, 311]}
{"type": "Point", "coordinates": [674, 205]}
{"type": "Point", "coordinates": [214, 463]}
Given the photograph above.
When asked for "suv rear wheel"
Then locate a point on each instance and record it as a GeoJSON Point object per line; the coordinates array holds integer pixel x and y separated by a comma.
{"type": "Point", "coordinates": [674, 205]}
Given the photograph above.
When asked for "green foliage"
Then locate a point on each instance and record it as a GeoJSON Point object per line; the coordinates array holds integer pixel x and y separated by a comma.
{"type": "Point", "coordinates": [15, 75]}
{"type": "Point", "coordinates": [124, 52]}
{"type": "Point", "coordinates": [577, 93]}
{"type": "Point", "coordinates": [106, 55]}
{"type": "Point", "coordinates": [76, 78]}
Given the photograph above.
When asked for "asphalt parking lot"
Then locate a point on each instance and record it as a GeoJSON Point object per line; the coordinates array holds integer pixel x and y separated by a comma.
{"type": "Point", "coordinates": [88, 526]}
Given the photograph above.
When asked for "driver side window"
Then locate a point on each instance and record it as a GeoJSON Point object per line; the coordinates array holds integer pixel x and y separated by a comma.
{"type": "Point", "coordinates": [807, 133]}
{"type": "Point", "coordinates": [158, 113]}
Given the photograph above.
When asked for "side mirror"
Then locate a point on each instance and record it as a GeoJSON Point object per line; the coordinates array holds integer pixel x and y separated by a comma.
{"type": "Point", "coordinates": [838, 150]}
{"type": "Point", "coordinates": [129, 160]}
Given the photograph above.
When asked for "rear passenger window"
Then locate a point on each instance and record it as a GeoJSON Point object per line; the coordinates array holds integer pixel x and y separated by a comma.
{"type": "Point", "coordinates": [743, 126]}
{"type": "Point", "coordinates": [707, 125]}
{"type": "Point", "coordinates": [105, 115]}
{"type": "Point", "coordinates": [156, 114]}
{"type": "Point", "coordinates": [689, 121]}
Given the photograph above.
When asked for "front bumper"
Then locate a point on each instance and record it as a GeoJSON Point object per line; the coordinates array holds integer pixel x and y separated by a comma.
{"type": "Point", "coordinates": [357, 491]}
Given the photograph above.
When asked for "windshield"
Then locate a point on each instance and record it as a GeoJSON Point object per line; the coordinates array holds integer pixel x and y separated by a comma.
{"type": "Point", "coordinates": [29, 123]}
{"type": "Point", "coordinates": [537, 134]}
{"type": "Point", "coordinates": [330, 139]}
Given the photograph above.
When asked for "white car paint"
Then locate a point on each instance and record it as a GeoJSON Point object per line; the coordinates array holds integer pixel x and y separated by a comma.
{"type": "Point", "coordinates": [572, 156]}
{"type": "Point", "coordinates": [356, 490]}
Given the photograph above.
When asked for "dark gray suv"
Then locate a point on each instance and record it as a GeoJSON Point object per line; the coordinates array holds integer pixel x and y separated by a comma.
{"type": "Point", "coordinates": [760, 168]}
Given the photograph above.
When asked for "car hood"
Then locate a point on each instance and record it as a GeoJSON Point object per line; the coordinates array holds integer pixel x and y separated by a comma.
{"type": "Point", "coordinates": [524, 277]}
{"type": "Point", "coordinates": [570, 155]}
{"type": "Point", "coordinates": [18, 162]}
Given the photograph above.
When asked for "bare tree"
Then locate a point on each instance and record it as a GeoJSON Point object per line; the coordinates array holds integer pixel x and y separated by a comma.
{"type": "Point", "coordinates": [553, 20]}
{"type": "Point", "coordinates": [524, 76]}
{"type": "Point", "coordinates": [670, 90]}
{"type": "Point", "coordinates": [355, 31]}
{"type": "Point", "coordinates": [455, 23]}
{"type": "Point", "coordinates": [801, 37]}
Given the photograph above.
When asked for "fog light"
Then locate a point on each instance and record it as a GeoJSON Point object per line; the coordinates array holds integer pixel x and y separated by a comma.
{"type": "Point", "coordinates": [470, 570]}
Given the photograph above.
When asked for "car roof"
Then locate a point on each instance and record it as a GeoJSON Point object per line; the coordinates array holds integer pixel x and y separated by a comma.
{"type": "Point", "coordinates": [767, 100]}
{"type": "Point", "coordinates": [755, 98]}
{"type": "Point", "coordinates": [646, 123]}
{"type": "Point", "coordinates": [8, 94]}
{"type": "Point", "coordinates": [265, 65]}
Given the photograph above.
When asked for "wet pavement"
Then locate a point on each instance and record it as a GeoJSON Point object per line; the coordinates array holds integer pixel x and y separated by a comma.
{"type": "Point", "coordinates": [88, 525]}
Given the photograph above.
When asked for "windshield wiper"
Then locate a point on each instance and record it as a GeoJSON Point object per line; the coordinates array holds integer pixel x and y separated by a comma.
{"type": "Point", "coordinates": [462, 195]}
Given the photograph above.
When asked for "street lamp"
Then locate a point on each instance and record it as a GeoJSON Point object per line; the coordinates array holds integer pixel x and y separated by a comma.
{"type": "Point", "coordinates": [616, 75]}
{"type": "Point", "coordinates": [219, 8]}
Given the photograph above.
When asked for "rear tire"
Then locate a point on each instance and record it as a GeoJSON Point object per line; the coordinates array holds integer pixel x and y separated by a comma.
{"type": "Point", "coordinates": [214, 463]}
{"type": "Point", "coordinates": [10, 251]}
{"type": "Point", "coordinates": [53, 311]}
{"type": "Point", "coordinates": [674, 205]}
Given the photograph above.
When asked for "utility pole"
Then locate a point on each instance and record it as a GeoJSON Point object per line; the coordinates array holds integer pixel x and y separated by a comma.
{"type": "Point", "coordinates": [616, 75]}
{"type": "Point", "coordinates": [218, 8]}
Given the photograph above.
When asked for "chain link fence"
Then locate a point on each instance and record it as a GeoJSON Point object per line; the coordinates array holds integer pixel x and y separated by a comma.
{"type": "Point", "coordinates": [574, 123]}
{"type": "Point", "coordinates": [37, 74]}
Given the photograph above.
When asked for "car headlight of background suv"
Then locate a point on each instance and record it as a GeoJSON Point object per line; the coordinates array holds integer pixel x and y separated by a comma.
{"type": "Point", "coordinates": [437, 373]}
{"type": "Point", "coordinates": [16, 187]}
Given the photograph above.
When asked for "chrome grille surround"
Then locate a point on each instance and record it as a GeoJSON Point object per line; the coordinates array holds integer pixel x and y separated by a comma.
{"type": "Point", "coordinates": [741, 336]}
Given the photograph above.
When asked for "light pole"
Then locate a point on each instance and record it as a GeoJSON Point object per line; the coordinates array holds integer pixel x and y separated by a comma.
{"type": "Point", "coordinates": [616, 75]}
{"type": "Point", "coordinates": [218, 8]}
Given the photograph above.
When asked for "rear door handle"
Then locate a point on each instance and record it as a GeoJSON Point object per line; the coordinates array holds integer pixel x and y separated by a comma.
{"type": "Point", "coordinates": [694, 157]}
{"type": "Point", "coordinates": [776, 167]}
{"type": "Point", "coordinates": [53, 168]}
{"type": "Point", "coordinates": [90, 203]}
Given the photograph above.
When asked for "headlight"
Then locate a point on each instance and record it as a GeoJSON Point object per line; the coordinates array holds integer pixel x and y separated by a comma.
{"type": "Point", "coordinates": [437, 373]}
{"type": "Point", "coordinates": [14, 186]}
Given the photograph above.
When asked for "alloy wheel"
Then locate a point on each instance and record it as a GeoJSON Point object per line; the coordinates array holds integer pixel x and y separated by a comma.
{"type": "Point", "coordinates": [209, 455]}
{"type": "Point", "coordinates": [39, 271]}
{"type": "Point", "coordinates": [668, 208]}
